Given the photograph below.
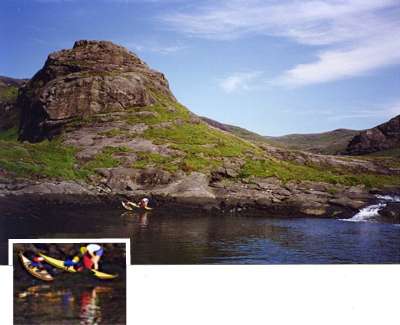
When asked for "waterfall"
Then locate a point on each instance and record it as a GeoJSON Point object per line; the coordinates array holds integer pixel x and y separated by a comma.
{"type": "Point", "coordinates": [370, 212]}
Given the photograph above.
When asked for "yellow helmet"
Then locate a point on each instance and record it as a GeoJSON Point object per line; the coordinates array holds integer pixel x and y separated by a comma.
{"type": "Point", "coordinates": [83, 250]}
{"type": "Point", "coordinates": [75, 259]}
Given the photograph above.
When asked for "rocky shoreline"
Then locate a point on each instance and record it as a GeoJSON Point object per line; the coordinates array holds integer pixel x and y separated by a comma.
{"type": "Point", "coordinates": [193, 194]}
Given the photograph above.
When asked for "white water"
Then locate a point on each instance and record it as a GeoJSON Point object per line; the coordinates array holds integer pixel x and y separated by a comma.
{"type": "Point", "coordinates": [370, 212]}
{"type": "Point", "coordinates": [388, 198]}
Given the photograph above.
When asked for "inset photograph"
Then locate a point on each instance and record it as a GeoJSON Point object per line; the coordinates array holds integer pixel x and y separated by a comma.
{"type": "Point", "coordinates": [69, 282]}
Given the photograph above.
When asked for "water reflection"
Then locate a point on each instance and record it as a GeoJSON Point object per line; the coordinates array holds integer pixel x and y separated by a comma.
{"type": "Point", "coordinates": [90, 312]}
{"type": "Point", "coordinates": [172, 237]}
{"type": "Point", "coordinates": [42, 304]}
{"type": "Point", "coordinates": [141, 218]}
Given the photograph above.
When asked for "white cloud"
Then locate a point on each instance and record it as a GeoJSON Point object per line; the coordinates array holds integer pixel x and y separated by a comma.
{"type": "Point", "coordinates": [240, 81]}
{"type": "Point", "coordinates": [339, 64]}
{"type": "Point", "coordinates": [154, 48]}
{"type": "Point", "coordinates": [356, 36]}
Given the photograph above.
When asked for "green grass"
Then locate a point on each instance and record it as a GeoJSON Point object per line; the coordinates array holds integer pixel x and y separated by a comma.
{"type": "Point", "coordinates": [113, 133]}
{"type": "Point", "coordinates": [45, 159]}
{"type": "Point", "coordinates": [104, 159]}
{"type": "Point", "coordinates": [9, 94]}
{"type": "Point", "coordinates": [201, 148]}
{"type": "Point", "coordinates": [9, 135]}
{"type": "Point", "coordinates": [199, 138]}
{"type": "Point", "coordinates": [161, 114]}
{"type": "Point", "coordinates": [149, 159]}
{"type": "Point", "coordinates": [50, 159]}
{"type": "Point", "coordinates": [287, 171]}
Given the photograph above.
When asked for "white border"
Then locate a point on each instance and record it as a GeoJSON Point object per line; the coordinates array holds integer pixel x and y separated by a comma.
{"type": "Point", "coordinates": [126, 241]}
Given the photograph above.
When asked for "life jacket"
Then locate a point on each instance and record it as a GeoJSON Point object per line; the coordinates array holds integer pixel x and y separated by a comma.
{"type": "Point", "coordinates": [87, 261]}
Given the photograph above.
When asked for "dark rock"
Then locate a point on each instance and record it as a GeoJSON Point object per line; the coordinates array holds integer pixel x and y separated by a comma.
{"type": "Point", "coordinates": [383, 137]}
{"type": "Point", "coordinates": [391, 212]}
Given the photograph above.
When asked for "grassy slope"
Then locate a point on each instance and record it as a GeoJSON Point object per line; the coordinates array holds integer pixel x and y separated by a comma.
{"type": "Point", "coordinates": [332, 142]}
{"type": "Point", "coordinates": [8, 93]}
{"type": "Point", "coordinates": [199, 147]}
{"type": "Point", "coordinates": [326, 143]}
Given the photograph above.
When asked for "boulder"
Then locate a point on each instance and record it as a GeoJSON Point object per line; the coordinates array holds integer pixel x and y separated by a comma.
{"type": "Point", "coordinates": [93, 77]}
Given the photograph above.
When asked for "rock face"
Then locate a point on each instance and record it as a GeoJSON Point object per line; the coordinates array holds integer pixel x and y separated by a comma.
{"type": "Point", "coordinates": [383, 137]}
{"type": "Point", "coordinates": [93, 77]}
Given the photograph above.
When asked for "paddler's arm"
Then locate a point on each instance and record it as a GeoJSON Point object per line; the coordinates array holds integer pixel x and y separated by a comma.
{"type": "Point", "coordinates": [95, 260]}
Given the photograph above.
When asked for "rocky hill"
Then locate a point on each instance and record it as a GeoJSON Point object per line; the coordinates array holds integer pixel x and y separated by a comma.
{"type": "Point", "coordinates": [92, 78]}
{"type": "Point", "coordinates": [383, 137]}
{"type": "Point", "coordinates": [97, 122]}
{"type": "Point", "coordinates": [329, 143]}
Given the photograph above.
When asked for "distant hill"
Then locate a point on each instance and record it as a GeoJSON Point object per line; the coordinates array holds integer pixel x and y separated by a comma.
{"type": "Point", "coordinates": [382, 140]}
{"type": "Point", "coordinates": [238, 131]}
{"type": "Point", "coordinates": [330, 143]}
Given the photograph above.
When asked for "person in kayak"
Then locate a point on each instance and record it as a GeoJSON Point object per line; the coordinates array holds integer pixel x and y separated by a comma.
{"type": "Point", "coordinates": [92, 254]}
{"type": "Point", "coordinates": [75, 262]}
{"type": "Point", "coordinates": [88, 258]}
{"type": "Point", "coordinates": [143, 203]}
{"type": "Point", "coordinates": [39, 262]}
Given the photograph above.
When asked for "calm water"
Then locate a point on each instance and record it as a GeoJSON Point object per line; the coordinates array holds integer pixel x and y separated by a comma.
{"type": "Point", "coordinates": [173, 238]}
{"type": "Point", "coordinates": [44, 304]}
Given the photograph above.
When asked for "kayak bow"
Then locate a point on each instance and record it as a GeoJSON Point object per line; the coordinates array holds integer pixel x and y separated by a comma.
{"type": "Point", "coordinates": [33, 270]}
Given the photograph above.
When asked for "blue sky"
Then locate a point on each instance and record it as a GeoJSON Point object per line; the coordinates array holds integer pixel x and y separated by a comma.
{"type": "Point", "coordinates": [274, 66]}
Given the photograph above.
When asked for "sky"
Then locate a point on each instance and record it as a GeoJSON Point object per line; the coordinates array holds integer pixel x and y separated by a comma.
{"type": "Point", "coordinates": [274, 67]}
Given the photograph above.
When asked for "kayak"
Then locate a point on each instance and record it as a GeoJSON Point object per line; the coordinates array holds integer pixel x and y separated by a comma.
{"type": "Point", "coordinates": [104, 276]}
{"type": "Point", "coordinates": [33, 270]}
{"type": "Point", "coordinates": [60, 264]}
{"type": "Point", "coordinates": [128, 206]}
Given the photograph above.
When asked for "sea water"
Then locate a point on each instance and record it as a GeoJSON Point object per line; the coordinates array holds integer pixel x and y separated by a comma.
{"type": "Point", "coordinates": [173, 237]}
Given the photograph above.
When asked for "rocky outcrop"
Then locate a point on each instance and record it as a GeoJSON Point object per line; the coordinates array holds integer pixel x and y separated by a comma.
{"type": "Point", "coordinates": [391, 212]}
{"type": "Point", "coordinates": [93, 77]}
{"type": "Point", "coordinates": [383, 137]}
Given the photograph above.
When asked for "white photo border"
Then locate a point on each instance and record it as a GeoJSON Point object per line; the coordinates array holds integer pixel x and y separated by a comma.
{"type": "Point", "coordinates": [126, 241]}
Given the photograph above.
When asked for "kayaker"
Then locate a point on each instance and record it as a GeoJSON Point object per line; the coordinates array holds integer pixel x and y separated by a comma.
{"type": "Point", "coordinates": [39, 262]}
{"type": "Point", "coordinates": [92, 254]}
{"type": "Point", "coordinates": [75, 262]}
{"type": "Point", "coordinates": [143, 203]}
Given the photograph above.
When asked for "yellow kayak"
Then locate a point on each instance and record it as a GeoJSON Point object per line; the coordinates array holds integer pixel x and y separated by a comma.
{"type": "Point", "coordinates": [104, 276]}
{"type": "Point", "coordinates": [57, 263]}
{"type": "Point", "coordinates": [33, 270]}
{"type": "Point", "coordinates": [60, 264]}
